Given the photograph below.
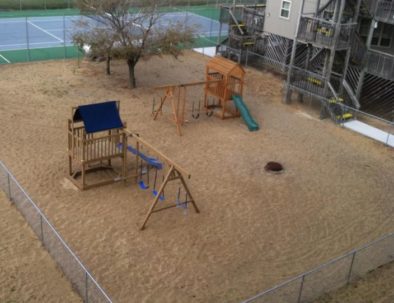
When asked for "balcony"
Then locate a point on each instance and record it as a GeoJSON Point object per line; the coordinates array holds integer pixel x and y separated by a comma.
{"type": "Point", "coordinates": [380, 64]}
{"type": "Point", "coordinates": [321, 33]}
{"type": "Point", "coordinates": [308, 82]}
{"type": "Point", "coordinates": [385, 11]}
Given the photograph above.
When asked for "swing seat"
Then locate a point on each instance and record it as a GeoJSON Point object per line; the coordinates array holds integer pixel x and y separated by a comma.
{"type": "Point", "coordinates": [142, 185]}
{"type": "Point", "coordinates": [155, 193]}
{"type": "Point", "coordinates": [180, 204]}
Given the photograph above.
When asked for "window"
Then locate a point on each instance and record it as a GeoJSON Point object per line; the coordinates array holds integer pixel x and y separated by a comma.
{"type": "Point", "coordinates": [285, 9]}
{"type": "Point", "coordinates": [382, 35]}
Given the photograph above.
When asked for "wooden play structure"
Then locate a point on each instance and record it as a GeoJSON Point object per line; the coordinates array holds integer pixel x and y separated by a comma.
{"type": "Point", "coordinates": [92, 144]}
{"type": "Point", "coordinates": [231, 76]}
{"type": "Point", "coordinates": [223, 79]}
{"type": "Point", "coordinates": [99, 141]}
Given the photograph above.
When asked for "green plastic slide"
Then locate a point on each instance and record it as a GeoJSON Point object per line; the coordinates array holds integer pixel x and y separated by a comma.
{"type": "Point", "coordinates": [246, 116]}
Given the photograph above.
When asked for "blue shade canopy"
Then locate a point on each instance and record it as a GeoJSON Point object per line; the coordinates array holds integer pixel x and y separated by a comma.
{"type": "Point", "coordinates": [99, 116]}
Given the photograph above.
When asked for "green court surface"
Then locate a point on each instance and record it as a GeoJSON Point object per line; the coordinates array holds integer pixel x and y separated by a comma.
{"type": "Point", "coordinates": [205, 42]}
{"type": "Point", "coordinates": [39, 54]}
{"type": "Point", "coordinates": [209, 11]}
{"type": "Point", "coordinates": [38, 13]}
{"type": "Point", "coordinates": [69, 52]}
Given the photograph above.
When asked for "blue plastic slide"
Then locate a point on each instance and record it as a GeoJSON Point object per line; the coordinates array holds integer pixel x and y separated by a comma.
{"type": "Point", "coordinates": [150, 160]}
{"type": "Point", "coordinates": [246, 116]}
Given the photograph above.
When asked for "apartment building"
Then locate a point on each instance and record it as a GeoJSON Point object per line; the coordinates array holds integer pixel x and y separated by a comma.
{"type": "Point", "coordinates": [336, 51]}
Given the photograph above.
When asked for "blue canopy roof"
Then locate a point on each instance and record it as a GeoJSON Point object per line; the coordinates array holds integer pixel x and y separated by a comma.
{"type": "Point", "coordinates": [99, 116]}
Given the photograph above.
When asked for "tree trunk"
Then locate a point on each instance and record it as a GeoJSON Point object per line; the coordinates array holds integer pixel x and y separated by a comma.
{"type": "Point", "coordinates": [131, 64]}
{"type": "Point", "coordinates": [108, 65]}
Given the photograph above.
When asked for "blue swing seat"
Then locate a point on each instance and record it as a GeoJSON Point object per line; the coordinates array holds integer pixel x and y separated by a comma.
{"type": "Point", "coordinates": [155, 193]}
{"type": "Point", "coordinates": [142, 185]}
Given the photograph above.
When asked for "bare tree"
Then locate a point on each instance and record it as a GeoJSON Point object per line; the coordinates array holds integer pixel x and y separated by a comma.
{"type": "Point", "coordinates": [130, 30]}
{"type": "Point", "coordinates": [99, 42]}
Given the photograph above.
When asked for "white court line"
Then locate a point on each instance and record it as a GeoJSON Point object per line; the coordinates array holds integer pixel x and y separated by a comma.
{"type": "Point", "coordinates": [45, 31]}
{"type": "Point", "coordinates": [191, 13]}
{"type": "Point", "coordinates": [24, 20]}
{"type": "Point", "coordinates": [5, 59]}
{"type": "Point", "coordinates": [32, 43]}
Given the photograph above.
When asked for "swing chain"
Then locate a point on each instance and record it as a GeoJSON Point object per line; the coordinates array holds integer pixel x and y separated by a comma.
{"type": "Point", "coordinates": [196, 116]}
{"type": "Point", "coordinates": [209, 113]}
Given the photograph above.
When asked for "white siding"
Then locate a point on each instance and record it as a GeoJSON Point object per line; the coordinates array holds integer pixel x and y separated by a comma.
{"type": "Point", "coordinates": [286, 27]}
{"type": "Point", "coordinates": [275, 24]}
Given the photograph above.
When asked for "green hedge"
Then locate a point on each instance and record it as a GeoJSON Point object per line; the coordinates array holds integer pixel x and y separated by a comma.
{"type": "Point", "coordinates": [35, 4]}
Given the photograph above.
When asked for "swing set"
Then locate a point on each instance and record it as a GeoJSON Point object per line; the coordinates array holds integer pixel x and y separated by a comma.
{"type": "Point", "coordinates": [169, 179]}
{"type": "Point", "coordinates": [99, 141]}
{"type": "Point", "coordinates": [223, 79]}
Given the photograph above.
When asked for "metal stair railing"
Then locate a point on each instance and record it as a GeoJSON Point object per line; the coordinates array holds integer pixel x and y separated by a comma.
{"type": "Point", "coordinates": [380, 64]}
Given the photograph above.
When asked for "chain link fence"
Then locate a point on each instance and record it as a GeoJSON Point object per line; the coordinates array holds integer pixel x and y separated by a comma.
{"type": "Point", "coordinates": [332, 275]}
{"type": "Point", "coordinates": [35, 30]}
{"type": "Point", "coordinates": [81, 279]}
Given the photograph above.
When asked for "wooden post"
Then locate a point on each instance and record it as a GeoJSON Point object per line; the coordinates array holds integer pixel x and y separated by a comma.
{"type": "Point", "coordinates": [83, 175]}
{"type": "Point", "coordinates": [189, 193]}
{"type": "Point", "coordinates": [162, 100]}
{"type": "Point", "coordinates": [124, 149]}
{"type": "Point", "coordinates": [172, 175]}
{"type": "Point", "coordinates": [156, 199]}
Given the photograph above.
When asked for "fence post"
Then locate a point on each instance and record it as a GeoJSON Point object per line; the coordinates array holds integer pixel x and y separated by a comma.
{"type": "Point", "coordinates": [9, 187]}
{"type": "Point", "coordinates": [247, 57]}
{"type": "Point", "coordinates": [64, 36]}
{"type": "Point", "coordinates": [42, 231]}
{"type": "Point", "coordinates": [27, 40]}
{"type": "Point", "coordinates": [351, 267]}
{"type": "Point", "coordinates": [301, 288]}
{"type": "Point", "coordinates": [86, 288]}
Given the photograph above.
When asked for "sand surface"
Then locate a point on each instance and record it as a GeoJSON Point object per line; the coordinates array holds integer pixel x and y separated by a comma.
{"type": "Point", "coordinates": [28, 273]}
{"type": "Point", "coordinates": [255, 229]}
{"type": "Point", "coordinates": [376, 287]}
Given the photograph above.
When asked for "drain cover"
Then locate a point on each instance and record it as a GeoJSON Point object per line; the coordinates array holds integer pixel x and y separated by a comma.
{"type": "Point", "coordinates": [273, 167]}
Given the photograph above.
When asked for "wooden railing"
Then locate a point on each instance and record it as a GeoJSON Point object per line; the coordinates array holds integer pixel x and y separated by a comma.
{"type": "Point", "coordinates": [92, 147]}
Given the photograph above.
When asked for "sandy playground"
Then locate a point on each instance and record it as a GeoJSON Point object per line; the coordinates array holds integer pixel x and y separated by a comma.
{"type": "Point", "coordinates": [376, 287]}
{"type": "Point", "coordinates": [28, 273]}
{"type": "Point", "coordinates": [255, 229]}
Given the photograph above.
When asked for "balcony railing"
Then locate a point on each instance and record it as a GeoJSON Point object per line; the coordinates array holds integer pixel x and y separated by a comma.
{"type": "Point", "coordinates": [308, 82]}
{"type": "Point", "coordinates": [385, 11]}
{"type": "Point", "coordinates": [322, 33]}
{"type": "Point", "coordinates": [380, 64]}
{"type": "Point", "coordinates": [359, 50]}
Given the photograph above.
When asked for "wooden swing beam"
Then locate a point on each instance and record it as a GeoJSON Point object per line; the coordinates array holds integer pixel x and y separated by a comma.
{"type": "Point", "coordinates": [175, 172]}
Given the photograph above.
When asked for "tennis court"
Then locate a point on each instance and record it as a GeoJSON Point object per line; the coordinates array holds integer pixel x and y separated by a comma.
{"type": "Point", "coordinates": [40, 38]}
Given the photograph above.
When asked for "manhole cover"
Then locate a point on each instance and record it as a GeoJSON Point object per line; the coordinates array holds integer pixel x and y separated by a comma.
{"type": "Point", "coordinates": [274, 167]}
